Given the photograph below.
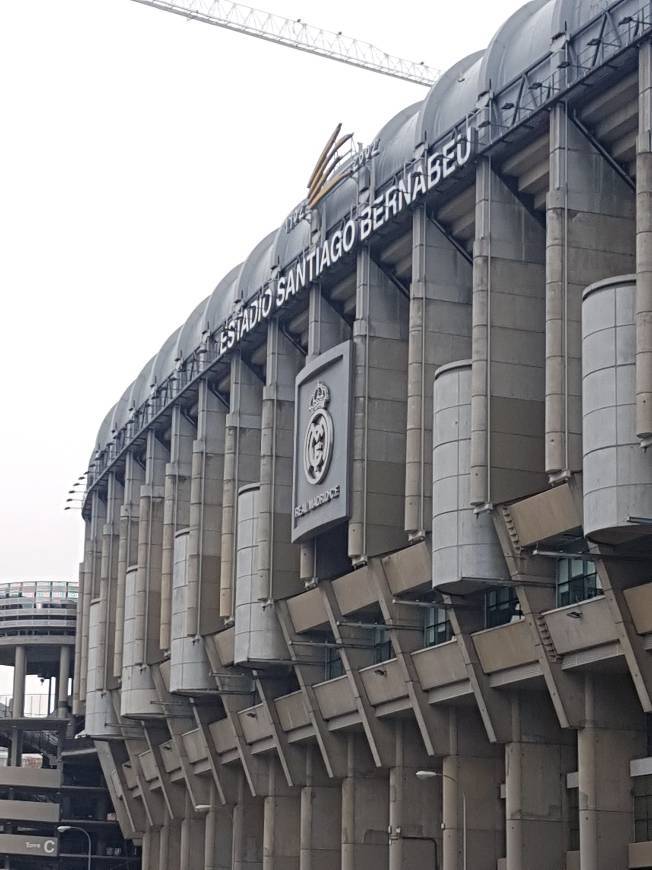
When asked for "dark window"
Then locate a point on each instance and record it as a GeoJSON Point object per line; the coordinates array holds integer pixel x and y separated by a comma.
{"type": "Point", "coordinates": [501, 606]}
{"type": "Point", "coordinates": [437, 628]}
{"type": "Point", "coordinates": [383, 649]}
{"type": "Point", "coordinates": [573, 819]}
{"type": "Point", "coordinates": [333, 665]}
{"type": "Point", "coordinates": [642, 808]}
{"type": "Point", "coordinates": [577, 580]}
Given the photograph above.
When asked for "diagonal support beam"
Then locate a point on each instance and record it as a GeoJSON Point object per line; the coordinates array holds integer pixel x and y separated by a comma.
{"type": "Point", "coordinates": [225, 778]}
{"type": "Point", "coordinates": [291, 758]}
{"type": "Point", "coordinates": [252, 767]}
{"type": "Point", "coordinates": [433, 724]}
{"type": "Point", "coordinates": [197, 788]}
{"type": "Point", "coordinates": [566, 690]}
{"type": "Point", "coordinates": [173, 793]}
{"type": "Point", "coordinates": [494, 707]}
{"type": "Point", "coordinates": [379, 735]}
{"type": "Point", "coordinates": [616, 576]}
{"type": "Point", "coordinates": [332, 747]}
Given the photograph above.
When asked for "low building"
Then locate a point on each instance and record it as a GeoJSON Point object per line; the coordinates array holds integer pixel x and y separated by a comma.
{"type": "Point", "coordinates": [383, 503]}
{"type": "Point", "coordinates": [50, 776]}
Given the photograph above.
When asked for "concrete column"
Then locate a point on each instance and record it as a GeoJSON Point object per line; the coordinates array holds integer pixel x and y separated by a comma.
{"type": "Point", "coordinates": [150, 859]}
{"type": "Point", "coordinates": [18, 705]}
{"type": "Point", "coordinates": [536, 764]}
{"type": "Point", "coordinates": [76, 700]}
{"type": "Point", "coordinates": [414, 805]}
{"type": "Point", "coordinates": [590, 236]}
{"type": "Point", "coordinates": [92, 574]}
{"type": "Point", "coordinates": [365, 810]}
{"type": "Point", "coordinates": [472, 774]}
{"type": "Point", "coordinates": [440, 332]}
{"type": "Point", "coordinates": [170, 845]}
{"type": "Point", "coordinates": [321, 817]}
{"type": "Point", "coordinates": [507, 405]}
{"type": "Point", "coordinates": [192, 838]}
{"type": "Point", "coordinates": [277, 560]}
{"type": "Point", "coordinates": [644, 246]}
{"type": "Point", "coordinates": [134, 477]}
{"type": "Point", "coordinates": [109, 576]}
{"type": "Point", "coordinates": [20, 672]}
{"type": "Point", "coordinates": [205, 535]}
{"type": "Point", "coordinates": [150, 544]}
{"type": "Point", "coordinates": [218, 835]}
{"type": "Point", "coordinates": [62, 682]}
{"type": "Point", "coordinates": [282, 822]}
{"type": "Point", "coordinates": [176, 509]}
{"type": "Point", "coordinates": [248, 827]}
{"type": "Point", "coordinates": [241, 466]}
{"type": "Point", "coordinates": [380, 336]}
{"type": "Point", "coordinates": [613, 734]}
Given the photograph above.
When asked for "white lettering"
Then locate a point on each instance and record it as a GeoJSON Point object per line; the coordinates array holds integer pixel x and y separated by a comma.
{"type": "Point", "coordinates": [365, 223]}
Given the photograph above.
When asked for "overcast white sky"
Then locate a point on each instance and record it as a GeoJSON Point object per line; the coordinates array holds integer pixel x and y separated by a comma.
{"type": "Point", "coordinates": [141, 157]}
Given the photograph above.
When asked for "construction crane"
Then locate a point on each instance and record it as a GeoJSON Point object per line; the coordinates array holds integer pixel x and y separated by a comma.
{"type": "Point", "coordinates": [295, 33]}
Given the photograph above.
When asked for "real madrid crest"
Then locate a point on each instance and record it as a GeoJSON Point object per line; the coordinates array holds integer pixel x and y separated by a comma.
{"type": "Point", "coordinates": [318, 440]}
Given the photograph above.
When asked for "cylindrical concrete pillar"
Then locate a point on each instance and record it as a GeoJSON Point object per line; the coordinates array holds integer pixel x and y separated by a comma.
{"type": "Point", "coordinates": [20, 672]}
{"type": "Point", "coordinates": [282, 822]}
{"type": "Point", "coordinates": [248, 823]}
{"type": "Point", "coordinates": [62, 682]}
{"type": "Point", "coordinates": [466, 552]}
{"type": "Point", "coordinates": [365, 810]}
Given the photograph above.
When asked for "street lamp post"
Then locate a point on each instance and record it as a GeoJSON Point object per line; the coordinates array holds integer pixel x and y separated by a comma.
{"type": "Point", "coordinates": [432, 774]}
{"type": "Point", "coordinates": [62, 829]}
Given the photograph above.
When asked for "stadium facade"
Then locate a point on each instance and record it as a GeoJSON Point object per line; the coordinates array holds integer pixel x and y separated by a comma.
{"type": "Point", "coordinates": [382, 504]}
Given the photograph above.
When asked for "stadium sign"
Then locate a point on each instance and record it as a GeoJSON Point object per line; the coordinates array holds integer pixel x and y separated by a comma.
{"type": "Point", "coordinates": [415, 181]}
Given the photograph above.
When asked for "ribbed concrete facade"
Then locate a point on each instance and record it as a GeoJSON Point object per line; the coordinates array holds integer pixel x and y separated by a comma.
{"type": "Point", "coordinates": [383, 503]}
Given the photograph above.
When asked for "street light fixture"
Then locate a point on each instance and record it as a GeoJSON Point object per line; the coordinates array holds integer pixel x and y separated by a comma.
{"type": "Point", "coordinates": [62, 829]}
{"type": "Point", "coordinates": [435, 774]}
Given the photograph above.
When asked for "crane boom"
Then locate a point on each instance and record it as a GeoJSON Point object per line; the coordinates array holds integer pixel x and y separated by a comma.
{"type": "Point", "coordinates": [295, 33]}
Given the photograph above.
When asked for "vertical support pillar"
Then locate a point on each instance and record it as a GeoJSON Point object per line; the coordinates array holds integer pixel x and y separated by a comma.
{"type": "Point", "coordinates": [277, 564]}
{"type": "Point", "coordinates": [248, 827]}
{"type": "Point", "coordinates": [170, 845]}
{"type": "Point", "coordinates": [282, 821]}
{"type": "Point", "coordinates": [380, 336]}
{"type": "Point", "coordinates": [613, 734]}
{"type": "Point", "coordinates": [62, 682]}
{"type": "Point", "coordinates": [241, 466]}
{"type": "Point", "coordinates": [644, 247]}
{"type": "Point", "coordinates": [507, 404]}
{"type": "Point", "coordinates": [218, 835]}
{"type": "Point", "coordinates": [414, 805]}
{"type": "Point", "coordinates": [440, 332]}
{"type": "Point", "coordinates": [471, 778]}
{"type": "Point", "coordinates": [365, 810]}
{"type": "Point", "coordinates": [536, 763]}
{"type": "Point", "coordinates": [18, 705]}
{"type": "Point", "coordinates": [192, 838]}
{"type": "Point", "coordinates": [150, 545]}
{"type": "Point", "coordinates": [109, 578]}
{"type": "Point", "coordinates": [205, 536]}
{"type": "Point", "coordinates": [134, 477]}
{"type": "Point", "coordinates": [590, 236]}
{"type": "Point", "coordinates": [321, 817]}
{"type": "Point", "coordinates": [176, 509]}
{"type": "Point", "coordinates": [151, 859]}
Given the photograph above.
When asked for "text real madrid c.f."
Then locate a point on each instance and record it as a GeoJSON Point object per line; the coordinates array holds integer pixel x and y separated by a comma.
{"type": "Point", "coordinates": [416, 181]}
